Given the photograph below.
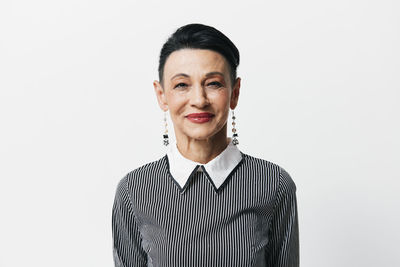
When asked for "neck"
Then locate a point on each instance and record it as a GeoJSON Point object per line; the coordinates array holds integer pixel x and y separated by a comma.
{"type": "Point", "coordinates": [204, 150]}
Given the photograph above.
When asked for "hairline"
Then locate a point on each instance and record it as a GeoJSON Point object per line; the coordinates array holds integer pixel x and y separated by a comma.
{"type": "Point", "coordinates": [231, 76]}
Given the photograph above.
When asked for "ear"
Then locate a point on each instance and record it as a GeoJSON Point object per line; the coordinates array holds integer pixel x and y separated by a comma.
{"type": "Point", "coordinates": [161, 98]}
{"type": "Point", "coordinates": [235, 94]}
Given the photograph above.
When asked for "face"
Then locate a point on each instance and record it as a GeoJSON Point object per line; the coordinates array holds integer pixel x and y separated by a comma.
{"type": "Point", "coordinates": [198, 92]}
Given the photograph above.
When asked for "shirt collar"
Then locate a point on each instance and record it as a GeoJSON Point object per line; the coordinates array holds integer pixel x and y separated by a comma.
{"type": "Point", "coordinates": [218, 169]}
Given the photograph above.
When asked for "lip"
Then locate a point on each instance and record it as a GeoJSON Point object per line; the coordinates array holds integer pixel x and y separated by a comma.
{"type": "Point", "coordinates": [200, 117]}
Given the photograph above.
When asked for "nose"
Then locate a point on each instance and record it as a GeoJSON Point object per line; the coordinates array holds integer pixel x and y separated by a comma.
{"type": "Point", "coordinates": [198, 97]}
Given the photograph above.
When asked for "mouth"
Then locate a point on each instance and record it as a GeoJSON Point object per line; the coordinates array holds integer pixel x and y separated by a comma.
{"type": "Point", "coordinates": [200, 117]}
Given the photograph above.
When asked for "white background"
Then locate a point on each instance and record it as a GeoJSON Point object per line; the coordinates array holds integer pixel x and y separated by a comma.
{"type": "Point", "coordinates": [320, 97]}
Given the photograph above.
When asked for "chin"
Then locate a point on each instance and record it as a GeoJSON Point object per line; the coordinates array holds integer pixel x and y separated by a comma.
{"type": "Point", "coordinates": [203, 134]}
{"type": "Point", "coordinates": [200, 135]}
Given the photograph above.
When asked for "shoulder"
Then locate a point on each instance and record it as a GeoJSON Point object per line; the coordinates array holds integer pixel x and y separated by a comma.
{"type": "Point", "coordinates": [274, 172]}
{"type": "Point", "coordinates": [143, 173]}
{"type": "Point", "coordinates": [149, 168]}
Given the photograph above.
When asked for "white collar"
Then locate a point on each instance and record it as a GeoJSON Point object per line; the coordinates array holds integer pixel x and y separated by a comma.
{"type": "Point", "coordinates": [218, 169]}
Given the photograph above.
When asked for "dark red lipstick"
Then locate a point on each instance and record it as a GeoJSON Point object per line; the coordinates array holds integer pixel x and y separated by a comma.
{"type": "Point", "coordinates": [200, 117]}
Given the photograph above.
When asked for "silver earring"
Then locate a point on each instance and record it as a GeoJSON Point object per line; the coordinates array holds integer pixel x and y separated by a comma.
{"type": "Point", "coordinates": [234, 131]}
{"type": "Point", "coordinates": [165, 135]}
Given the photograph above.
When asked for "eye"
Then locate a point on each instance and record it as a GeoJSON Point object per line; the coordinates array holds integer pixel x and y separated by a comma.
{"type": "Point", "coordinates": [214, 84]}
{"type": "Point", "coordinates": [180, 85]}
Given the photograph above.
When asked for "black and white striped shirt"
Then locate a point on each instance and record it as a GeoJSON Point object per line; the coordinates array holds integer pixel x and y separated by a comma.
{"type": "Point", "coordinates": [249, 218]}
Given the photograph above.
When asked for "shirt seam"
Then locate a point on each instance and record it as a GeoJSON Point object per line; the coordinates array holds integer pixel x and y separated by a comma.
{"type": "Point", "coordinates": [275, 207]}
{"type": "Point", "coordinates": [134, 216]}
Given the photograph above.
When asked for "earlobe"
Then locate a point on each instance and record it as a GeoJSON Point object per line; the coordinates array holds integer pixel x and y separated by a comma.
{"type": "Point", "coordinates": [158, 89]}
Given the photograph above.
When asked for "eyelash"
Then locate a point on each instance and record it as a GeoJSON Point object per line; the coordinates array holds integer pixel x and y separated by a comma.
{"type": "Point", "coordinates": [213, 84]}
{"type": "Point", "coordinates": [179, 85]}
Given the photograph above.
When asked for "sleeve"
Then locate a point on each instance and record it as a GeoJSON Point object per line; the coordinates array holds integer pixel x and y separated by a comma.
{"type": "Point", "coordinates": [127, 249]}
{"type": "Point", "coordinates": [283, 250]}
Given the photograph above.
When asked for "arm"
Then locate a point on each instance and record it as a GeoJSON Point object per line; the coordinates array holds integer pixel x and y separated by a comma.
{"type": "Point", "coordinates": [127, 249]}
{"type": "Point", "coordinates": [283, 250]}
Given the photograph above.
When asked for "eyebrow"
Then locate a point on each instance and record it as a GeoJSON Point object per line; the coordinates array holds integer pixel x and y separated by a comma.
{"type": "Point", "coordinates": [214, 73]}
{"type": "Point", "coordinates": [207, 75]}
{"type": "Point", "coordinates": [179, 74]}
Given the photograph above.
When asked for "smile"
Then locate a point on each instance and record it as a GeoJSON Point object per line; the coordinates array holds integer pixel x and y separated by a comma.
{"type": "Point", "coordinates": [200, 117]}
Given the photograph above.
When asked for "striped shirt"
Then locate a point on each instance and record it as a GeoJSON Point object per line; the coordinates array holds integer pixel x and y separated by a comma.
{"type": "Point", "coordinates": [250, 219]}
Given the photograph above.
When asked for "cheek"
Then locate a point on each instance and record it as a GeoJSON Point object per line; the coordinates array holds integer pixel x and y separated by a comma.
{"type": "Point", "coordinates": [221, 100]}
{"type": "Point", "coordinates": [175, 102]}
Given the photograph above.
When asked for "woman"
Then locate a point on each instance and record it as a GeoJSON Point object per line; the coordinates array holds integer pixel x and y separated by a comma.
{"type": "Point", "coordinates": [205, 203]}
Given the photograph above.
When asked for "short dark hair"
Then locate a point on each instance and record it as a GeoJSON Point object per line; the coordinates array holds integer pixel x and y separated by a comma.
{"type": "Point", "coordinates": [199, 36]}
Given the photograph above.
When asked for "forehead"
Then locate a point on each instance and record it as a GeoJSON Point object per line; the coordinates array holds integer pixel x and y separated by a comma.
{"type": "Point", "coordinates": [195, 62]}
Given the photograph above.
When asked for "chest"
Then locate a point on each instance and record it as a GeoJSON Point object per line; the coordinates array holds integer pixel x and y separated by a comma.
{"type": "Point", "coordinates": [201, 226]}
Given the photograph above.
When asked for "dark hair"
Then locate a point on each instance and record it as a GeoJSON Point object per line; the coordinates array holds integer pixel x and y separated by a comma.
{"type": "Point", "coordinates": [199, 36]}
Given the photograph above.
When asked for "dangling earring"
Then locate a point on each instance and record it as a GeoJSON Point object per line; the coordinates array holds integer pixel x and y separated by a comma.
{"type": "Point", "coordinates": [165, 135]}
{"type": "Point", "coordinates": [234, 135]}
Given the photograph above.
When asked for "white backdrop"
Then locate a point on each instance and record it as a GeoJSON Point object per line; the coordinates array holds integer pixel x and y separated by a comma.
{"type": "Point", "coordinates": [320, 97]}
